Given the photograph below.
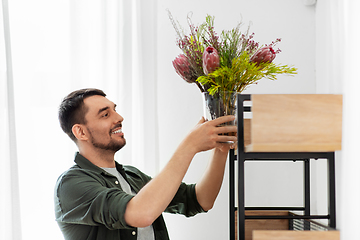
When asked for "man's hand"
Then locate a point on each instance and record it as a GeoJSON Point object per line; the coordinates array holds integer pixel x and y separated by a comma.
{"type": "Point", "coordinates": [208, 135]}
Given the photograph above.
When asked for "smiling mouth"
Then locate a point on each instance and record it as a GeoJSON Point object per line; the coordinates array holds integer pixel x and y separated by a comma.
{"type": "Point", "coordinates": [117, 131]}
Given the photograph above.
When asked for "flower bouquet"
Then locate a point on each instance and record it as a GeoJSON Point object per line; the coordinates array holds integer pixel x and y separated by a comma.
{"type": "Point", "coordinates": [224, 65]}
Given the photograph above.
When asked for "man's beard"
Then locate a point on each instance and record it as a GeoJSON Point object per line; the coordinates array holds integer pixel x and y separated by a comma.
{"type": "Point", "coordinates": [112, 146]}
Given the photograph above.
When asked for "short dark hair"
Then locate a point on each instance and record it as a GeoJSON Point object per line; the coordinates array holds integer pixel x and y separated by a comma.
{"type": "Point", "coordinates": [72, 109]}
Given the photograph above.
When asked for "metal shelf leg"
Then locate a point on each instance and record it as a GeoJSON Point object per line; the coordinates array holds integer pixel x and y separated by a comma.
{"type": "Point", "coordinates": [331, 190]}
{"type": "Point", "coordinates": [232, 194]}
{"type": "Point", "coordinates": [241, 198]}
{"type": "Point", "coordinates": [307, 191]}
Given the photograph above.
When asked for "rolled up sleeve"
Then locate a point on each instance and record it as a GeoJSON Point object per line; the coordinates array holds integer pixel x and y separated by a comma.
{"type": "Point", "coordinates": [185, 201]}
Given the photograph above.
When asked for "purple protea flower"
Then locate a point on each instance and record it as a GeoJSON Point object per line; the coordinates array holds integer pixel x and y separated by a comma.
{"type": "Point", "coordinates": [265, 54]}
{"type": "Point", "coordinates": [210, 60]}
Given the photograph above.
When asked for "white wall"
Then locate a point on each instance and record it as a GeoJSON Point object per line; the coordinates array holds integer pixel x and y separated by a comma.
{"type": "Point", "coordinates": [180, 104]}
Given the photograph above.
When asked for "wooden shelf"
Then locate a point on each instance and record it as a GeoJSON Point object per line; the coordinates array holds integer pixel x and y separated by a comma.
{"type": "Point", "coordinates": [294, 123]}
{"type": "Point", "coordinates": [296, 235]}
{"type": "Point", "coordinates": [285, 127]}
{"type": "Point", "coordinates": [263, 224]}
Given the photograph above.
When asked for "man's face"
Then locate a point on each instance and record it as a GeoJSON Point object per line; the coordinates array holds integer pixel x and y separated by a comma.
{"type": "Point", "coordinates": [103, 124]}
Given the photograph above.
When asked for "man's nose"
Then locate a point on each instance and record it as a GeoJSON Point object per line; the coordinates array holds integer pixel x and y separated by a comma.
{"type": "Point", "coordinates": [119, 117]}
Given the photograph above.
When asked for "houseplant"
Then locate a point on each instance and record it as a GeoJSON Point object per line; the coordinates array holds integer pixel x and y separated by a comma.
{"type": "Point", "coordinates": [224, 65]}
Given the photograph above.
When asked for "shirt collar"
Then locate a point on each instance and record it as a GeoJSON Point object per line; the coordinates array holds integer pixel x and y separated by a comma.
{"type": "Point", "coordinates": [84, 163]}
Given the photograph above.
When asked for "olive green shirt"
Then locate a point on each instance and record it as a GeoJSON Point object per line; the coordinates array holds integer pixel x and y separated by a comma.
{"type": "Point", "coordinates": [90, 204]}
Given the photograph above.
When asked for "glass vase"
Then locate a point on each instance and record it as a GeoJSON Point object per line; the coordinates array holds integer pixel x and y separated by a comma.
{"type": "Point", "coordinates": [220, 104]}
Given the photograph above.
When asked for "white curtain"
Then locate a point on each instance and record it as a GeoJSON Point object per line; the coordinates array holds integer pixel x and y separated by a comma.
{"type": "Point", "coordinates": [60, 46]}
{"type": "Point", "coordinates": [113, 48]}
{"type": "Point", "coordinates": [10, 226]}
{"type": "Point", "coordinates": [350, 177]}
{"type": "Point", "coordinates": [338, 49]}
{"type": "Point", "coordinates": [329, 80]}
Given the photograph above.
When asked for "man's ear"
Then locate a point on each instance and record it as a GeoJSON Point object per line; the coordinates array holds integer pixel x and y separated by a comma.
{"type": "Point", "coordinates": [79, 132]}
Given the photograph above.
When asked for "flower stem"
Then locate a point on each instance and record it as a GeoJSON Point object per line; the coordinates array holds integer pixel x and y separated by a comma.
{"type": "Point", "coordinates": [199, 85]}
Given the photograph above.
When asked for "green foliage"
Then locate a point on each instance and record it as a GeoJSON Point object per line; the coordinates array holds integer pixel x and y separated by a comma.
{"type": "Point", "coordinates": [241, 74]}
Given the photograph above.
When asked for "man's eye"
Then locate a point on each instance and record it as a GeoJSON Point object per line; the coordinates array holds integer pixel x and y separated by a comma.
{"type": "Point", "coordinates": [106, 114]}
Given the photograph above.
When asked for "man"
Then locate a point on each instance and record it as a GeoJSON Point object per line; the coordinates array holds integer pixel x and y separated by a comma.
{"type": "Point", "coordinates": [100, 199]}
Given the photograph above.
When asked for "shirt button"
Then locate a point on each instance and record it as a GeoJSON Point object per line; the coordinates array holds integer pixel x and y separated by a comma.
{"type": "Point", "coordinates": [133, 233]}
{"type": "Point", "coordinates": [116, 182]}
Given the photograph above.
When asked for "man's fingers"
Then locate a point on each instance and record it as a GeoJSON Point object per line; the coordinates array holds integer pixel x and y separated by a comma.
{"type": "Point", "coordinates": [224, 119]}
{"type": "Point", "coordinates": [226, 129]}
{"type": "Point", "coordinates": [202, 120]}
{"type": "Point", "coordinates": [226, 138]}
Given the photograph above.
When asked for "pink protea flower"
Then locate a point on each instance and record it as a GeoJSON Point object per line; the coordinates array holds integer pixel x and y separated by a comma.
{"type": "Point", "coordinates": [182, 67]}
{"type": "Point", "coordinates": [265, 54]}
{"type": "Point", "coordinates": [210, 60]}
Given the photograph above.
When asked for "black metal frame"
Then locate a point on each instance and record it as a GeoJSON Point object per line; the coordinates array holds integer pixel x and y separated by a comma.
{"type": "Point", "coordinates": [243, 156]}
